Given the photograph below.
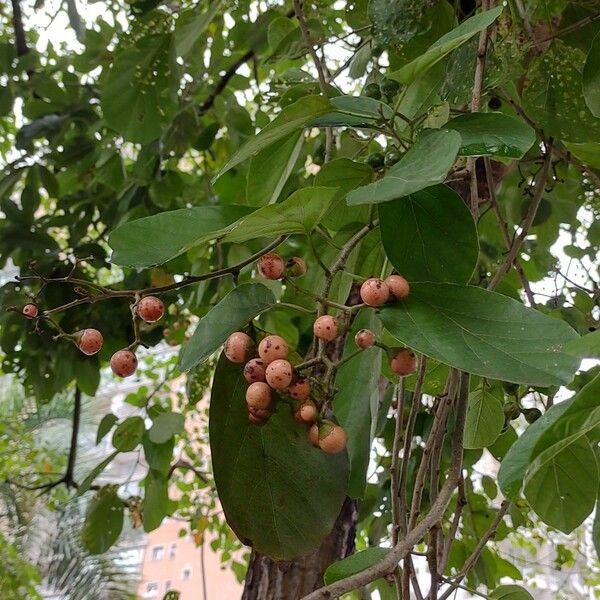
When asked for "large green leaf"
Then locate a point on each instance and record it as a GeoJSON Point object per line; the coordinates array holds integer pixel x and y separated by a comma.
{"type": "Point", "coordinates": [158, 456]}
{"type": "Point", "coordinates": [591, 78]}
{"type": "Point", "coordinates": [562, 483]}
{"type": "Point", "coordinates": [291, 119]}
{"type": "Point", "coordinates": [241, 305]}
{"type": "Point", "coordinates": [517, 459]}
{"type": "Point", "coordinates": [587, 346]}
{"type": "Point", "coordinates": [154, 240]}
{"type": "Point", "coordinates": [103, 521]}
{"type": "Point", "coordinates": [448, 42]}
{"type": "Point", "coordinates": [430, 236]}
{"type": "Point", "coordinates": [156, 499]}
{"type": "Point", "coordinates": [355, 404]}
{"type": "Point", "coordinates": [354, 111]}
{"type": "Point", "coordinates": [510, 592]}
{"type": "Point", "coordinates": [425, 164]}
{"type": "Point", "coordinates": [279, 494]}
{"type": "Point", "coordinates": [128, 434]}
{"type": "Point", "coordinates": [165, 426]}
{"type": "Point", "coordinates": [484, 333]}
{"type": "Point", "coordinates": [297, 214]}
{"type": "Point", "coordinates": [355, 563]}
{"type": "Point", "coordinates": [485, 417]}
{"type": "Point", "coordinates": [492, 134]}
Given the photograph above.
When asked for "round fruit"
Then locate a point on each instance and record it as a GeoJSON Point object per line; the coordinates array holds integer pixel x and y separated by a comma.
{"type": "Point", "coordinates": [332, 438]}
{"type": "Point", "coordinates": [374, 292]}
{"type": "Point", "coordinates": [238, 346]}
{"type": "Point", "coordinates": [399, 287]}
{"type": "Point", "coordinates": [532, 414]}
{"type": "Point", "coordinates": [279, 374]}
{"type": "Point", "coordinates": [404, 362]}
{"type": "Point", "coordinates": [258, 396]}
{"type": "Point", "coordinates": [30, 310]}
{"type": "Point", "coordinates": [254, 370]}
{"type": "Point", "coordinates": [372, 90]}
{"type": "Point", "coordinates": [296, 267]}
{"type": "Point", "coordinates": [391, 158]}
{"type": "Point", "coordinates": [389, 86]}
{"type": "Point", "coordinates": [494, 103]}
{"type": "Point", "coordinates": [365, 338]}
{"type": "Point", "coordinates": [273, 347]}
{"type": "Point", "coordinates": [150, 309]}
{"type": "Point", "coordinates": [512, 411]}
{"type": "Point", "coordinates": [261, 413]}
{"type": "Point", "coordinates": [326, 328]}
{"type": "Point", "coordinates": [299, 389]}
{"type": "Point", "coordinates": [256, 419]}
{"type": "Point", "coordinates": [376, 160]}
{"type": "Point", "coordinates": [306, 412]}
{"type": "Point", "coordinates": [271, 266]}
{"type": "Point", "coordinates": [313, 435]}
{"type": "Point", "coordinates": [89, 341]}
{"type": "Point", "coordinates": [123, 363]}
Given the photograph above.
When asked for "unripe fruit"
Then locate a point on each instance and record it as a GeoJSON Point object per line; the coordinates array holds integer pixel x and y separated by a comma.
{"type": "Point", "coordinates": [237, 347]}
{"type": "Point", "coordinates": [398, 286]}
{"type": "Point", "coordinates": [279, 374]}
{"type": "Point", "coordinates": [404, 362]}
{"type": "Point", "coordinates": [261, 413]}
{"type": "Point", "coordinates": [123, 363]}
{"type": "Point", "coordinates": [365, 338]}
{"type": "Point", "coordinates": [306, 412]}
{"type": "Point", "coordinates": [296, 267]}
{"type": "Point", "coordinates": [271, 266]}
{"type": "Point", "coordinates": [532, 414]}
{"type": "Point", "coordinates": [273, 347]}
{"type": "Point", "coordinates": [326, 328]}
{"type": "Point", "coordinates": [512, 411]}
{"type": "Point", "coordinates": [150, 309]}
{"type": "Point", "coordinates": [372, 90]}
{"type": "Point", "coordinates": [299, 389]}
{"type": "Point", "coordinates": [376, 160]}
{"type": "Point", "coordinates": [89, 341]}
{"type": "Point", "coordinates": [254, 370]}
{"type": "Point", "coordinates": [258, 396]}
{"type": "Point", "coordinates": [391, 158]}
{"type": "Point", "coordinates": [30, 311]}
{"type": "Point", "coordinates": [332, 438]}
{"type": "Point", "coordinates": [374, 292]}
{"type": "Point", "coordinates": [389, 86]}
{"type": "Point", "coordinates": [313, 435]}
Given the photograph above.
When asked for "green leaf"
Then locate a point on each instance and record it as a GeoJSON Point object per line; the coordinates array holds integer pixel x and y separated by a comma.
{"type": "Point", "coordinates": [353, 564]}
{"type": "Point", "coordinates": [241, 305]}
{"type": "Point", "coordinates": [510, 592]}
{"type": "Point", "coordinates": [279, 494]}
{"type": "Point", "coordinates": [444, 45]}
{"type": "Point", "coordinates": [297, 214]}
{"type": "Point", "coordinates": [189, 30]}
{"type": "Point", "coordinates": [158, 456]}
{"type": "Point", "coordinates": [105, 426]}
{"type": "Point", "coordinates": [516, 460]}
{"type": "Point", "coordinates": [84, 486]}
{"type": "Point", "coordinates": [483, 333]}
{"type": "Point", "coordinates": [396, 21]}
{"type": "Point", "coordinates": [425, 164]}
{"type": "Point", "coordinates": [430, 236]}
{"type": "Point", "coordinates": [103, 521]}
{"type": "Point", "coordinates": [596, 528]}
{"type": "Point", "coordinates": [154, 240]}
{"type": "Point", "coordinates": [587, 152]}
{"type": "Point", "coordinates": [485, 417]}
{"type": "Point", "coordinates": [128, 434]}
{"type": "Point", "coordinates": [354, 111]}
{"type": "Point", "coordinates": [291, 119]}
{"type": "Point", "coordinates": [492, 134]}
{"type": "Point", "coordinates": [562, 483]}
{"type": "Point", "coordinates": [156, 499]}
{"type": "Point", "coordinates": [269, 170]}
{"type": "Point", "coordinates": [586, 346]}
{"type": "Point", "coordinates": [591, 78]}
{"type": "Point", "coordinates": [355, 403]}
{"type": "Point", "coordinates": [165, 426]}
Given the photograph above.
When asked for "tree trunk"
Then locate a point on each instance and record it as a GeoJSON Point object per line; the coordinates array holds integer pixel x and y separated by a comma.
{"type": "Point", "coordinates": [268, 579]}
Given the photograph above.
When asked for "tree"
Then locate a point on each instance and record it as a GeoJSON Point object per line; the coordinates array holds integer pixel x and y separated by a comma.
{"type": "Point", "coordinates": [184, 152]}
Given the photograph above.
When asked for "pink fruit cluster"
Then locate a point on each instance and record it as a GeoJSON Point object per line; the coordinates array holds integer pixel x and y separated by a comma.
{"type": "Point", "coordinates": [403, 361]}
{"type": "Point", "coordinates": [376, 292]}
{"type": "Point", "coordinates": [273, 266]}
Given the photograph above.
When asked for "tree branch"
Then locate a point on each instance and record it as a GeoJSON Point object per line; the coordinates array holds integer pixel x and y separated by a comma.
{"type": "Point", "coordinates": [17, 19]}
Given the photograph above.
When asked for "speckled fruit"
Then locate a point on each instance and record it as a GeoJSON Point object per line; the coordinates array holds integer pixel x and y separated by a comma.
{"type": "Point", "coordinates": [271, 266]}
{"type": "Point", "coordinates": [254, 370]}
{"type": "Point", "coordinates": [306, 413]}
{"type": "Point", "coordinates": [238, 346]}
{"type": "Point", "coordinates": [257, 419]}
{"type": "Point", "coordinates": [123, 363]}
{"type": "Point", "coordinates": [404, 362]}
{"type": "Point", "coordinates": [399, 287]}
{"type": "Point", "coordinates": [89, 341]}
{"type": "Point", "coordinates": [273, 347]}
{"type": "Point", "coordinates": [299, 389]}
{"type": "Point", "coordinates": [150, 309]}
{"type": "Point", "coordinates": [313, 435]}
{"type": "Point", "coordinates": [296, 267]}
{"type": "Point", "coordinates": [365, 338]}
{"type": "Point", "coordinates": [258, 396]}
{"type": "Point", "coordinates": [332, 438]}
{"type": "Point", "coordinates": [374, 292]}
{"type": "Point", "coordinates": [279, 374]}
{"type": "Point", "coordinates": [326, 328]}
{"type": "Point", "coordinates": [30, 310]}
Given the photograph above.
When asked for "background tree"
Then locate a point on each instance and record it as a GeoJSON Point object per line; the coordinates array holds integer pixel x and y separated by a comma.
{"type": "Point", "coordinates": [453, 143]}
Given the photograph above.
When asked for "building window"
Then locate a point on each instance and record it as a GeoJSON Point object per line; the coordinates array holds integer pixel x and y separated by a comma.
{"type": "Point", "coordinates": [172, 550]}
{"type": "Point", "coordinates": [186, 573]}
{"type": "Point", "coordinates": [158, 552]}
{"type": "Point", "coordinates": [151, 589]}
{"type": "Point", "coordinates": [167, 585]}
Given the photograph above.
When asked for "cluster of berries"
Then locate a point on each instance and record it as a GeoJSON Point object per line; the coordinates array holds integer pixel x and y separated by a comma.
{"type": "Point", "coordinates": [123, 362]}
{"type": "Point", "coordinates": [273, 266]}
